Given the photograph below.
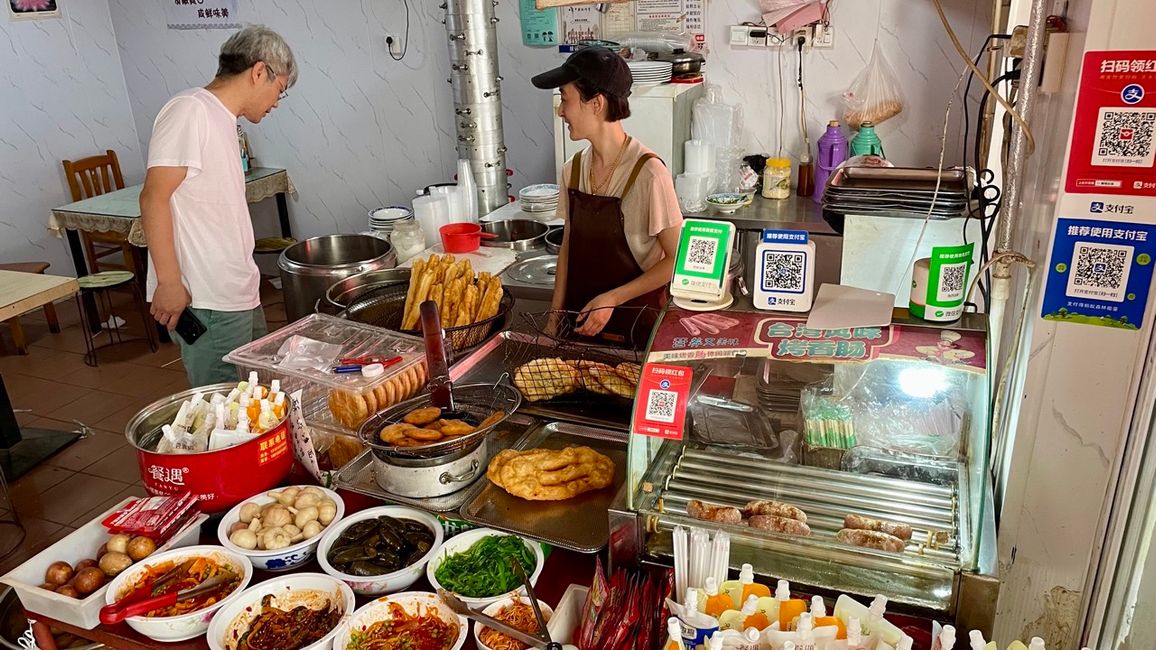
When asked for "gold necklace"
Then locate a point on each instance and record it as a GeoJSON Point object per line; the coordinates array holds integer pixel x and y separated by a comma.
{"type": "Point", "coordinates": [599, 188]}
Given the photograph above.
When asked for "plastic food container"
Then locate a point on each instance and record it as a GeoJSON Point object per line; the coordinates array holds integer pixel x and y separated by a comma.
{"type": "Point", "coordinates": [386, 582]}
{"type": "Point", "coordinates": [220, 478]}
{"type": "Point", "coordinates": [462, 542]}
{"type": "Point", "coordinates": [281, 559]}
{"type": "Point", "coordinates": [463, 237]}
{"type": "Point", "coordinates": [183, 626]}
{"type": "Point", "coordinates": [312, 590]}
{"type": "Point", "coordinates": [80, 544]}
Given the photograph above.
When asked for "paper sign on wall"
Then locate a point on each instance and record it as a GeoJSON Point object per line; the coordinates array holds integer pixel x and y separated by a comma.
{"type": "Point", "coordinates": [539, 26]}
{"type": "Point", "coordinates": [660, 410]}
{"type": "Point", "coordinates": [201, 14]}
{"type": "Point", "coordinates": [1113, 141]}
{"type": "Point", "coordinates": [1100, 271]}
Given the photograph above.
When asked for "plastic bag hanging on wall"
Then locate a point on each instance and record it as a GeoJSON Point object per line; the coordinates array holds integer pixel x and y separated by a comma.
{"type": "Point", "coordinates": [875, 94]}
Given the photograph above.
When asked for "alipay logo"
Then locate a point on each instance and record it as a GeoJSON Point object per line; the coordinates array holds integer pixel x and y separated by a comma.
{"type": "Point", "coordinates": [1097, 207]}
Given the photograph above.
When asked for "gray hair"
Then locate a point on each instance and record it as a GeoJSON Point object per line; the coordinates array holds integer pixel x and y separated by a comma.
{"type": "Point", "coordinates": [255, 43]}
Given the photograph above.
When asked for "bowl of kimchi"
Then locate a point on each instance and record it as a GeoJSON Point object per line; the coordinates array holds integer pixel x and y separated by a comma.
{"type": "Point", "coordinates": [176, 571]}
{"type": "Point", "coordinates": [413, 619]}
{"type": "Point", "coordinates": [514, 611]}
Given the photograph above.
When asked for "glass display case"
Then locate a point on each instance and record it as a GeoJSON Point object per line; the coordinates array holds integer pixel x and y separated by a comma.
{"type": "Point", "coordinates": [889, 423]}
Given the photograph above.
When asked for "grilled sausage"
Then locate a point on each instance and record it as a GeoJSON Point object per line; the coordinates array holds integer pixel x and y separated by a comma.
{"type": "Point", "coordinates": [871, 539]}
{"type": "Point", "coordinates": [858, 522]}
{"type": "Point", "coordinates": [776, 508]}
{"type": "Point", "coordinates": [779, 524]}
{"type": "Point", "coordinates": [711, 512]}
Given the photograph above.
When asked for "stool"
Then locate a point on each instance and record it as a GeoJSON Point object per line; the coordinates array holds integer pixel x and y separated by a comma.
{"type": "Point", "coordinates": [100, 285]}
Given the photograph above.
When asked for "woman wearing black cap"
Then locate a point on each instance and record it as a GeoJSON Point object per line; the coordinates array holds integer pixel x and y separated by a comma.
{"type": "Point", "coordinates": [618, 200]}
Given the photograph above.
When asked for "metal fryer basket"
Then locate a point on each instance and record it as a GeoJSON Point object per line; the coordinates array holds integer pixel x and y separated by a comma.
{"type": "Point", "coordinates": [385, 306]}
{"type": "Point", "coordinates": [478, 401]}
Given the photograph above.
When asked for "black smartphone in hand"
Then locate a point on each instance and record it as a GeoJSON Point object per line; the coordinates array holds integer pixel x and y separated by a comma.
{"type": "Point", "coordinates": [190, 327]}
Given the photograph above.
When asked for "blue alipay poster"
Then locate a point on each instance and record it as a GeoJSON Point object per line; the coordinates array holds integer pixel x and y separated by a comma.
{"type": "Point", "coordinates": [1100, 273]}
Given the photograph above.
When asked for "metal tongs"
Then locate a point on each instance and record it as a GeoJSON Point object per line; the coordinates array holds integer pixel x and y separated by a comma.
{"type": "Point", "coordinates": [436, 356]}
{"type": "Point", "coordinates": [540, 640]}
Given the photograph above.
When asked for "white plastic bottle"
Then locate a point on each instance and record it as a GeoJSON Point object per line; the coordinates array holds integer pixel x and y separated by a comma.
{"type": "Point", "coordinates": [806, 632]}
{"type": "Point", "coordinates": [975, 640]}
{"type": "Point", "coordinates": [818, 607]}
{"type": "Point", "coordinates": [946, 640]}
{"type": "Point", "coordinates": [674, 635]}
{"type": "Point", "coordinates": [854, 634]}
{"type": "Point", "coordinates": [750, 640]}
{"type": "Point", "coordinates": [1036, 644]}
{"type": "Point", "coordinates": [715, 642]}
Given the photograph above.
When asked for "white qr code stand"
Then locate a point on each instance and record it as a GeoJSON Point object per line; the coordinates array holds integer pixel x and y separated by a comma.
{"type": "Point", "coordinates": [701, 280]}
{"type": "Point", "coordinates": [784, 271]}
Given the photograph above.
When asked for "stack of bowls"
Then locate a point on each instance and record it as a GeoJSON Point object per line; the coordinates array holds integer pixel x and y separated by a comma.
{"type": "Point", "coordinates": [542, 197]}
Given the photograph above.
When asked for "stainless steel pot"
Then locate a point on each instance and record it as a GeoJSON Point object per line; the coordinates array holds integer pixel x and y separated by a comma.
{"type": "Point", "coordinates": [683, 62]}
{"type": "Point", "coordinates": [342, 293]}
{"type": "Point", "coordinates": [515, 234]}
{"type": "Point", "coordinates": [422, 478]}
{"type": "Point", "coordinates": [310, 267]}
{"type": "Point", "coordinates": [553, 240]}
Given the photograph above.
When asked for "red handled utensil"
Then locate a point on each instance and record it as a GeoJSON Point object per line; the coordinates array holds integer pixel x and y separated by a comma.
{"type": "Point", "coordinates": [118, 611]}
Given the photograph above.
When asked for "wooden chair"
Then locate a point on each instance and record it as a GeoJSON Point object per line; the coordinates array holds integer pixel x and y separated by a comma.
{"type": "Point", "coordinates": [93, 176]}
{"type": "Point", "coordinates": [49, 309]}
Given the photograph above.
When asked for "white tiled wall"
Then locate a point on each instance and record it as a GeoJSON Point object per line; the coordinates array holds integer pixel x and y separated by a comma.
{"type": "Point", "coordinates": [62, 96]}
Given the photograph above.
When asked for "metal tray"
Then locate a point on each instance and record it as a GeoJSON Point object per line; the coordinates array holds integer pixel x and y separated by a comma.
{"type": "Point", "coordinates": [357, 475]}
{"type": "Point", "coordinates": [579, 524]}
{"type": "Point", "coordinates": [502, 354]}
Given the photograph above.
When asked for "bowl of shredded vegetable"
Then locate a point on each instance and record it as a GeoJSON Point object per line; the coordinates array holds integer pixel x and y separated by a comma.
{"type": "Point", "coordinates": [412, 620]}
{"type": "Point", "coordinates": [176, 571]}
{"type": "Point", "coordinates": [300, 611]}
{"type": "Point", "coordinates": [475, 566]}
{"type": "Point", "coordinates": [516, 612]}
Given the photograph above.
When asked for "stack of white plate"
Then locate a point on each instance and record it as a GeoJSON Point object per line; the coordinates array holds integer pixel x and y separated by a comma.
{"type": "Point", "coordinates": [650, 73]}
{"type": "Point", "coordinates": [539, 198]}
{"type": "Point", "coordinates": [382, 220]}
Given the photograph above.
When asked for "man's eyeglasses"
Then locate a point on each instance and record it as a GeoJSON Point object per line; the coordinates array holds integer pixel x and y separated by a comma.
{"type": "Point", "coordinates": [273, 79]}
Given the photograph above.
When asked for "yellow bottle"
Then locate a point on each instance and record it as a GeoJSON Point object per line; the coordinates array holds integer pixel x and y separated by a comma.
{"type": "Point", "coordinates": [716, 602]}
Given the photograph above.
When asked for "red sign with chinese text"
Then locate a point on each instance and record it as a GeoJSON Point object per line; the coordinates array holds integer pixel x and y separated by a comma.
{"type": "Point", "coordinates": [660, 410]}
{"type": "Point", "coordinates": [1113, 142]}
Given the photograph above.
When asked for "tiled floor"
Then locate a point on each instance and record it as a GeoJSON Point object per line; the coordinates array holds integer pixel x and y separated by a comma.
{"type": "Point", "coordinates": [52, 388]}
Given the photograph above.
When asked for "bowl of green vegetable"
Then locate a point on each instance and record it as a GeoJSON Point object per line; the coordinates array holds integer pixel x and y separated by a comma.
{"type": "Point", "coordinates": [475, 565]}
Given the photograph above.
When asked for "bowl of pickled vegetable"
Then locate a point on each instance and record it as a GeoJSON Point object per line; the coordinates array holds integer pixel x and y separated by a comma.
{"type": "Point", "coordinates": [300, 611]}
{"type": "Point", "coordinates": [380, 550]}
{"type": "Point", "coordinates": [415, 619]}
{"type": "Point", "coordinates": [476, 566]}
{"type": "Point", "coordinates": [180, 570]}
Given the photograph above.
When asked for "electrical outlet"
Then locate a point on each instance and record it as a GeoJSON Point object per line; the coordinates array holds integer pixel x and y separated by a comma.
{"type": "Point", "coordinates": [394, 44]}
{"type": "Point", "coordinates": [804, 34]}
{"type": "Point", "coordinates": [822, 35]}
{"type": "Point", "coordinates": [740, 34]}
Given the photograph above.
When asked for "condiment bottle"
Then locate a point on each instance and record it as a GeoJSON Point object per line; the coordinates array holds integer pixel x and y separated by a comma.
{"type": "Point", "coordinates": [408, 239]}
{"type": "Point", "coordinates": [833, 149]}
{"type": "Point", "coordinates": [752, 616]}
{"type": "Point", "coordinates": [674, 635]}
{"type": "Point", "coordinates": [789, 608]}
{"type": "Point", "coordinates": [806, 183]}
{"type": "Point", "coordinates": [866, 142]}
{"type": "Point", "coordinates": [777, 179]}
{"type": "Point", "coordinates": [716, 602]}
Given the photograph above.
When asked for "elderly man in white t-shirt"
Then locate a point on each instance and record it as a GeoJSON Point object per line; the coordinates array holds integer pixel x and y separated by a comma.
{"type": "Point", "coordinates": [193, 203]}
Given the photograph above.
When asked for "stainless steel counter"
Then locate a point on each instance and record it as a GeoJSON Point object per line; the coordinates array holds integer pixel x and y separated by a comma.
{"type": "Point", "coordinates": [795, 213]}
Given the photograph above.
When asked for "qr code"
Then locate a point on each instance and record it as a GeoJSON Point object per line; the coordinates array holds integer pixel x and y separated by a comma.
{"type": "Point", "coordinates": [952, 278]}
{"type": "Point", "coordinates": [660, 405]}
{"type": "Point", "coordinates": [700, 254]}
{"type": "Point", "coordinates": [1124, 137]}
{"type": "Point", "coordinates": [784, 271]}
{"type": "Point", "coordinates": [1100, 271]}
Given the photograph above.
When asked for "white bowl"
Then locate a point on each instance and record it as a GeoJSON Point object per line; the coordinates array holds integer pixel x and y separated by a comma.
{"type": "Point", "coordinates": [313, 590]}
{"type": "Point", "coordinates": [183, 626]}
{"type": "Point", "coordinates": [495, 607]}
{"type": "Point", "coordinates": [463, 542]}
{"type": "Point", "coordinates": [387, 582]}
{"type": "Point", "coordinates": [281, 559]}
{"type": "Point", "coordinates": [413, 602]}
